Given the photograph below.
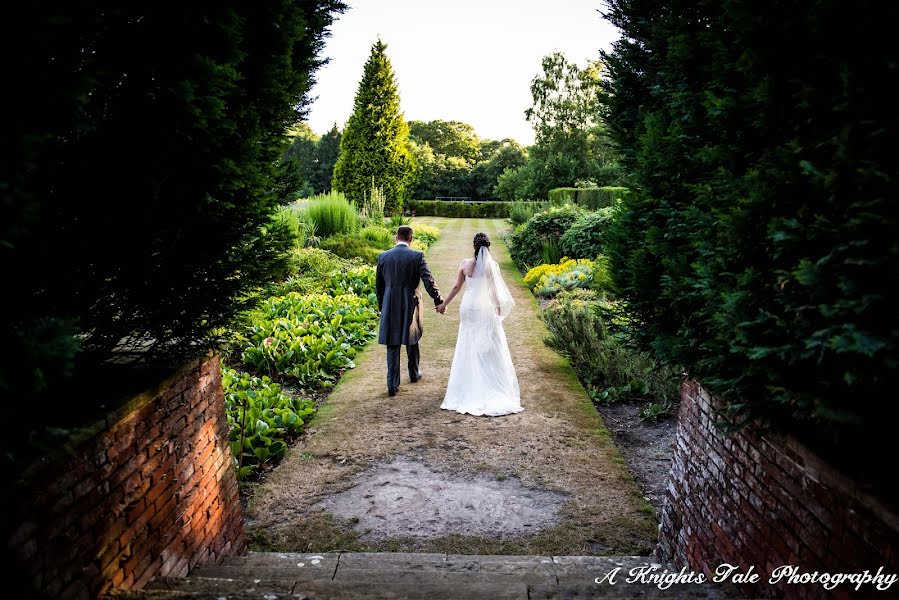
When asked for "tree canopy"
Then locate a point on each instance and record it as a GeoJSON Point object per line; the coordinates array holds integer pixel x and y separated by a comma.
{"type": "Point", "coordinates": [308, 163]}
{"type": "Point", "coordinates": [449, 138]}
{"type": "Point", "coordinates": [571, 143]}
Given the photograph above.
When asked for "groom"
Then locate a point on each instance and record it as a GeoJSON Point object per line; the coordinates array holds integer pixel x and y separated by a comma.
{"type": "Point", "coordinates": [399, 273]}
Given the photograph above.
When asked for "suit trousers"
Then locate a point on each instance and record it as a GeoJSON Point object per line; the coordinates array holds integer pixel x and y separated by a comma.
{"type": "Point", "coordinates": [393, 364]}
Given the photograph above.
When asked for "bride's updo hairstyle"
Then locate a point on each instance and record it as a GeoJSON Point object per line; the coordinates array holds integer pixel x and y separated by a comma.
{"type": "Point", "coordinates": [480, 241]}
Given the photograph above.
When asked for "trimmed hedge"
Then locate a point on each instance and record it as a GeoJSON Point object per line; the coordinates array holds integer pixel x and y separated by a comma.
{"type": "Point", "coordinates": [473, 210]}
{"type": "Point", "coordinates": [592, 198]}
{"type": "Point", "coordinates": [760, 251]}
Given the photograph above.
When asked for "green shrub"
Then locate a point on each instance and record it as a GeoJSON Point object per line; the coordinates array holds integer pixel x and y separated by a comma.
{"type": "Point", "coordinates": [759, 247]}
{"type": "Point", "coordinates": [589, 331]}
{"type": "Point", "coordinates": [293, 284]}
{"type": "Point", "coordinates": [290, 220]}
{"type": "Point", "coordinates": [588, 197]}
{"type": "Point", "coordinates": [527, 242]}
{"type": "Point", "coordinates": [377, 235]}
{"type": "Point", "coordinates": [426, 234]}
{"type": "Point", "coordinates": [520, 212]}
{"type": "Point", "coordinates": [315, 262]}
{"type": "Point", "coordinates": [351, 246]}
{"type": "Point", "coordinates": [262, 419]}
{"type": "Point", "coordinates": [332, 214]}
{"type": "Point", "coordinates": [309, 339]}
{"type": "Point", "coordinates": [585, 237]}
{"type": "Point", "coordinates": [601, 276]}
{"type": "Point", "coordinates": [472, 210]}
{"type": "Point", "coordinates": [359, 281]}
{"type": "Point", "coordinates": [397, 220]}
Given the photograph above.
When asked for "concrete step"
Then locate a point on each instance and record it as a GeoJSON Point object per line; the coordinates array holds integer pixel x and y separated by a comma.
{"type": "Point", "coordinates": [351, 575]}
{"type": "Point", "coordinates": [332, 590]}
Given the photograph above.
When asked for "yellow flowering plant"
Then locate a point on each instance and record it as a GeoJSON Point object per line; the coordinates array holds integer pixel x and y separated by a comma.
{"type": "Point", "coordinates": [548, 280]}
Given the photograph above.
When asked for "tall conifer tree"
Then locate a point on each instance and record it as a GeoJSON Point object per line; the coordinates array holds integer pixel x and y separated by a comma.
{"type": "Point", "coordinates": [374, 148]}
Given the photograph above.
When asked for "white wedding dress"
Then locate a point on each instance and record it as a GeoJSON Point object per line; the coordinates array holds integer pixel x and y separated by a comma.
{"type": "Point", "coordinates": [482, 379]}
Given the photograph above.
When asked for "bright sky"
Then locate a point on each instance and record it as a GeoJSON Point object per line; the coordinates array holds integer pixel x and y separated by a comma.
{"type": "Point", "coordinates": [457, 60]}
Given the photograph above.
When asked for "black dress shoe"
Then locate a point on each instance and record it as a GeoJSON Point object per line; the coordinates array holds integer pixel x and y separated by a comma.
{"type": "Point", "coordinates": [415, 378]}
{"type": "Point", "coordinates": [392, 392]}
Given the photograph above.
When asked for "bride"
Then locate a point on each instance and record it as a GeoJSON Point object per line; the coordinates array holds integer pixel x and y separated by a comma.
{"type": "Point", "coordinates": [482, 380]}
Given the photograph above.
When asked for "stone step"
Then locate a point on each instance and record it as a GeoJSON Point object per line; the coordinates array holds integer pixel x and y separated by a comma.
{"type": "Point", "coordinates": [203, 589]}
{"type": "Point", "coordinates": [352, 575]}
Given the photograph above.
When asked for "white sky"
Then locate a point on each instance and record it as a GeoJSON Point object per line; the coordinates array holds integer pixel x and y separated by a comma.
{"type": "Point", "coordinates": [457, 60]}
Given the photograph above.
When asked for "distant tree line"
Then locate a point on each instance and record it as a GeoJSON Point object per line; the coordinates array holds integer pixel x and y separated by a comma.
{"type": "Point", "coordinates": [429, 159]}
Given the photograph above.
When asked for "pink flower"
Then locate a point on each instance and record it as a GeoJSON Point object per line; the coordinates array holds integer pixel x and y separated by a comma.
{"type": "Point", "coordinates": [268, 341]}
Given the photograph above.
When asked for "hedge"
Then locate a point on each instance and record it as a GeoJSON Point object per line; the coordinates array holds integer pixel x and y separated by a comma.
{"type": "Point", "coordinates": [761, 247]}
{"type": "Point", "coordinates": [474, 210]}
{"type": "Point", "coordinates": [592, 198]}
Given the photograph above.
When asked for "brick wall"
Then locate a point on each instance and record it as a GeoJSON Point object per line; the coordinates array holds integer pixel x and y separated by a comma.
{"type": "Point", "coordinates": [151, 491]}
{"type": "Point", "coordinates": [767, 501]}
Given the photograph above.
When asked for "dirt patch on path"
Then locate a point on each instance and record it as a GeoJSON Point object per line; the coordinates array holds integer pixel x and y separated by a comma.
{"type": "Point", "coordinates": [558, 443]}
{"type": "Point", "coordinates": [407, 498]}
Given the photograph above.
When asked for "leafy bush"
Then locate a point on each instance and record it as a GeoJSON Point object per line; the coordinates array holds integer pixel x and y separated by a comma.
{"type": "Point", "coordinates": [592, 334]}
{"type": "Point", "coordinates": [760, 249]}
{"type": "Point", "coordinates": [472, 210]}
{"type": "Point", "coordinates": [589, 197]}
{"type": "Point", "coordinates": [527, 241]}
{"type": "Point", "coordinates": [352, 246]}
{"type": "Point", "coordinates": [289, 219]}
{"type": "Point", "coordinates": [520, 212]}
{"type": "Point", "coordinates": [378, 235]}
{"type": "Point", "coordinates": [426, 234]}
{"type": "Point", "coordinates": [315, 262]}
{"type": "Point", "coordinates": [310, 339]}
{"type": "Point", "coordinates": [262, 419]}
{"type": "Point", "coordinates": [602, 277]}
{"type": "Point", "coordinates": [397, 220]}
{"type": "Point", "coordinates": [585, 237]}
{"type": "Point", "coordinates": [332, 214]}
{"type": "Point", "coordinates": [550, 279]}
{"type": "Point", "coordinates": [359, 281]}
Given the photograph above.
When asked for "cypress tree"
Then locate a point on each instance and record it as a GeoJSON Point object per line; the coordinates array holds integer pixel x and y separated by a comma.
{"type": "Point", "coordinates": [374, 148]}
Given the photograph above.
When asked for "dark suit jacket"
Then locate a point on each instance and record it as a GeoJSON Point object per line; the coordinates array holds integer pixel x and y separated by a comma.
{"type": "Point", "coordinates": [400, 272]}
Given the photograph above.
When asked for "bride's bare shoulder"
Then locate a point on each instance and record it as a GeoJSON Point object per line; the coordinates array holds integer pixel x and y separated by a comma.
{"type": "Point", "coordinates": [467, 266]}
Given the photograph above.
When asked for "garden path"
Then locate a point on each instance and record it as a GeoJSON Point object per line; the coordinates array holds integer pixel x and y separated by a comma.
{"type": "Point", "coordinates": [378, 473]}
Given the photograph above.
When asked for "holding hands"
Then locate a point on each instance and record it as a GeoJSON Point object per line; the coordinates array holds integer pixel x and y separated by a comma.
{"type": "Point", "coordinates": [441, 308]}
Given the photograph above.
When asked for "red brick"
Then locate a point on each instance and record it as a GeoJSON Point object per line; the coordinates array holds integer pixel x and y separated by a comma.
{"type": "Point", "coordinates": [147, 574]}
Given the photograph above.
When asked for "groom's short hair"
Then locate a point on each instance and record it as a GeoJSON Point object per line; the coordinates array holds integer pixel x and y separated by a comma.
{"type": "Point", "coordinates": [404, 232]}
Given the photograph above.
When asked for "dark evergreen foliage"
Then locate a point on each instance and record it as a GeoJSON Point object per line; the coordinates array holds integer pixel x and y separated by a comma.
{"type": "Point", "coordinates": [138, 177]}
{"type": "Point", "coordinates": [760, 245]}
{"type": "Point", "coordinates": [374, 149]}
